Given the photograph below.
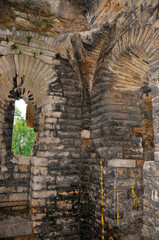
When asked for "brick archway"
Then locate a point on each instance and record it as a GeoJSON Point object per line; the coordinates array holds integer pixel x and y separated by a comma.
{"type": "Point", "coordinates": [29, 78]}
{"type": "Point", "coordinates": [125, 93]}
{"type": "Point", "coordinates": [21, 76]}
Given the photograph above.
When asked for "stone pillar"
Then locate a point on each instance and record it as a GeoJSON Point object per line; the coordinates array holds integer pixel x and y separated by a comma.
{"type": "Point", "coordinates": [3, 168]}
{"type": "Point", "coordinates": [155, 104]}
{"type": "Point", "coordinates": [151, 168]}
{"type": "Point", "coordinates": [41, 179]}
{"type": "Point", "coordinates": [6, 166]}
{"type": "Point", "coordinates": [2, 121]}
{"type": "Point", "coordinates": [54, 187]}
{"type": "Point", "coordinates": [151, 200]}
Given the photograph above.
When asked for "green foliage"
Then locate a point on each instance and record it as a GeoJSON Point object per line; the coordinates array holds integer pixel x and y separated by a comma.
{"type": "Point", "coordinates": [17, 113]}
{"type": "Point", "coordinates": [34, 54]}
{"type": "Point", "coordinates": [14, 46]}
{"type": "Point", "coordinates": [29, 38]}
{"type": "Point", "coordinates": [7, 39]}
{"type": "Point", "coordinates": [23, 137]}
{"type": "Point", "coordinates": [41, 52]}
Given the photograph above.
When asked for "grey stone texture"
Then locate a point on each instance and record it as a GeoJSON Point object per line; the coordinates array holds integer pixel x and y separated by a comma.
{"type": "Point", "coordinates": [13, 227]}
{"type": "Point", "coordinates": [91, 70]}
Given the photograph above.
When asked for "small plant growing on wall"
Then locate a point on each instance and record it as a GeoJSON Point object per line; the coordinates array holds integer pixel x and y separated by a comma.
{"type": "Point", "coordinates": [7, 39]}
{"type": "Point", "coordinates": [14, 47]}
{"type": "Point", "coordinates": [34, 54]}
{"type": "Point", "coordinates": [29, 38]}
{"type": "Point", "coordinates": [41, 52]}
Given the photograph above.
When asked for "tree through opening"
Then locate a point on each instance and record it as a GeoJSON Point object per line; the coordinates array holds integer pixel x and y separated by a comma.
{"type": "Point", "coordinates": [23, 137]}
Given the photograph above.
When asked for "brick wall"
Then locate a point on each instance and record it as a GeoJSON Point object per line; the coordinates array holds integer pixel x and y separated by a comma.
{"type": "Point", "coordinates": [96, 105]}
{"type": "Point", "coordinates": [15, 171]}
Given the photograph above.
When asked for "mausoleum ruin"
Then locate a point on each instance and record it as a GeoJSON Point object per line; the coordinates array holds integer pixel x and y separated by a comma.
{"type": "Point", "coordinates": [89, 73]}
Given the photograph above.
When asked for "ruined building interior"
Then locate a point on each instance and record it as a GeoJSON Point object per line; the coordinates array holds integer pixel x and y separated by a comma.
{"type": "Point", "coordinates": [89, 73]}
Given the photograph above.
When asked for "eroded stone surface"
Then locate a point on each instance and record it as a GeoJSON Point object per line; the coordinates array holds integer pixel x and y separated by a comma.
{"type": "Point", "coordinates": [90, 68]}
{"type": "Point", "coordinates": [13, 227]}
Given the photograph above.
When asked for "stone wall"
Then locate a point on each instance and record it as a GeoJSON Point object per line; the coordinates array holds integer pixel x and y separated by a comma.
{"type": "Point", "coordinates": [121, 134]}
{"type": "Point", "coordinates": [117, 160]}
{"type": "Point", "coordinates": [54, 193]}
{"type": "Point", "coordinates": [150, 228]}
{"type": "Point", "coordinates": [15, 170]}
{"type": "Point", "coordinates": [15, 185]}
{"type": "Point", "coordinates": [93, 80]}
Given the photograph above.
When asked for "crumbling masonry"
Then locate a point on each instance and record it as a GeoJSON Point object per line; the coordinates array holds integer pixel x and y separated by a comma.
{"type": "Point", "coordinates": [89, 72]}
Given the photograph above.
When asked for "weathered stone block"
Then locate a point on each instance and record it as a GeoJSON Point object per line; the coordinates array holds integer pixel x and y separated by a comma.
{"type": "Point", "coordinates": [3, 198]}
{"type": "Point", "coordinates": [22, 203]}
{"type": "Point", "coordinates": [13, 227]}
{"type": "Point", "coordinates": [18, 197]}
{"type": "Point", "coordinates": [149, 155]}
{"type": "Point", "coordinates": [38, 186]}
{"type": "Point", "coordinates": [5, 189]}
{"type": "Point", "coordinates": [127, 163]}
{"type": "Point", "coordinates": [37, 203]}
{"type": "Point", "coordinates": [8, 204]}
{"type": "Point", "coordinates": [40, 179]}
{"type": "Point", "coordinates": [22, 22]}
{"type": "Point", "coordinates": [135, 173]}
{"type": "Point", "coordinates": [19, 208]}
{"type": "Point", "coordinates": [156, 156]}
{"type": "Point", "coordinates": [23, 168]}
{"type": "Point", "coordinates": [38, 217]}
{"type": "Point", "coordinates": [155, 195]}
{"type": "Point", "coordinates": [67, 180]}
{"type": "Point", "coordinates": [42, 162]}
{"type": "Point", "coordinates": [22, 160]}
{"type": "Point", "coordinates": [21, 189]}
{"type": "Point", "coordinates": [85, 134]}
{"type": "Point", "coordinates": [64, 205]}
{"type": "Point", "coordinates": [21, 175]}
{"type": "Point", "coordinates": [110, 152]}
{"type": "Point", "coordinates": [39, 170]}
{"type": "Point", "coordinates": [44, 194]}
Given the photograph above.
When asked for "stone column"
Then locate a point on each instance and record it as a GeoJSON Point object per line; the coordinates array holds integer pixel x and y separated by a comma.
{"type": "Point", "coordinates": [151, 200]}
{"type": "Point", "coordinates": [2, 143]}
{"type": "Point", "coordinates": [54, 186]}
{"type": "Point", "coordinates": [40, 193]}
{"type": "Point", "coordinates": [151, 167]}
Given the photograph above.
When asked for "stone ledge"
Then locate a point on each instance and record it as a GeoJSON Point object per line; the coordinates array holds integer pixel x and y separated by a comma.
{"type": "Point", "coordinates": [122, 163]}
{"type": "Point", "coordinates": [14, 226]}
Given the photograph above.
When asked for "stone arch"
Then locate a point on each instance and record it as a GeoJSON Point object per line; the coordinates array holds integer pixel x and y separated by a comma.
{"type": "Point", "coordinates": [144, 38]}
{"type": "Point", "coordinates": [124, 87]}
{"type": "Point", "coordinates": [136, 51]}
{"type": "Point", "coordinates": [21, 76]}
{"type": "Point", "coordinates": [24, 76]}
{"type": "Point", "coordinates": [24, 73]}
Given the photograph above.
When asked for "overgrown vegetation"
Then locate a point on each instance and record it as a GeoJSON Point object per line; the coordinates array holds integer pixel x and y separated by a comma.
{"type": "Point", "coordinates": [23, 137]}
